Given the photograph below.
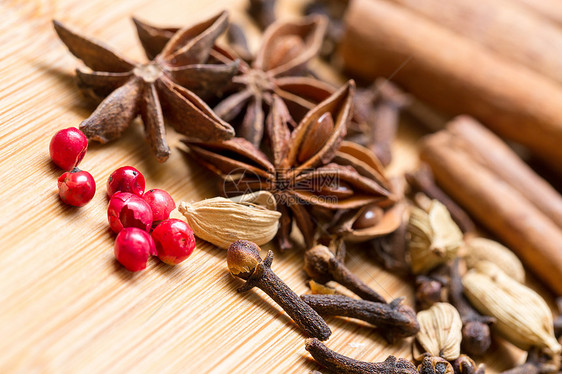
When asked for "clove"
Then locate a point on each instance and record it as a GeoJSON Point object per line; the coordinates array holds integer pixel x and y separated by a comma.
{"type": "Point", "coordinates": [422, 180]}
{"type": "Point", "coordinates": [322, 265]}
{"type": "Point", "coordinates": [379, 107]}
{"type": "Point", "coordinates": [341, 250]}
{"type": "Point", "coordinates": [263, 12]}
{"type": "Point", "coordinates": [346, 365]}
{"type": "Point", "coordinates": [389, 101]}
{"type": "Point", "coordinates": [465, 365]}
{"type": "Point", "coordinates": [476, 337]}
{"type": "Point", "coordinates": [336, 244]}
{"type": "Point", "coordinates": [237, 40]}
{"type": "Point", "coordinates": [429, 290]}
{"type": "Point", "coordinates": [435, 365]}
{"type": "Point", "coordinates": [394, 320]}
{"type": "Point", "coordinates": [244, 261]}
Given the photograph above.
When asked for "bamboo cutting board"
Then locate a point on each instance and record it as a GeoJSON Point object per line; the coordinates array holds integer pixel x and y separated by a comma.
{"type": "Point", "coordinates": [65, 304]}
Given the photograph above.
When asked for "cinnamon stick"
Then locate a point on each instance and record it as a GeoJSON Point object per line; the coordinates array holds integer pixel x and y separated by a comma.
{"type": "Point", "coordinates": [501, 26]}
{"type": "Point", "coordinates": [549, 9]}
{"type": "Point", "coordinates": [491, 152]}
{"type": "Point", "coordinates": [499, 206]}
{"type": "Point", "coordinates": [454, 74]}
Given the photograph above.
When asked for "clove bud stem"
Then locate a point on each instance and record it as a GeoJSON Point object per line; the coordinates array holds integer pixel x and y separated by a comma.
{"type": "Point", "coordinates": [395, 320]}
{"type": "Point", "coordinates": [465, 365]}
{"type": "Point", "coordinates": [244, 262]}
{"type": "Point", "coordinates": [476, 336]}
{"type": "Point", "coordinates": [346, 365]}
{"type": "Point", "coordinates": [388, 102]}
{"type": "Point", "coordinates": [321, 265]}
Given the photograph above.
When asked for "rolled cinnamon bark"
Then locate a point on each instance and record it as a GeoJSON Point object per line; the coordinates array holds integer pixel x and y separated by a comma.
{"type": "Point", "coordinates": [501, 26]}
{"type": "Point", "coordinates": [549, 9]}
{"type": "Point", "coordinates": [491, 152]}
{"type": "Point", "coordinates": [497, 205]}
{"type": "Point", "coordinates": [454, 74]}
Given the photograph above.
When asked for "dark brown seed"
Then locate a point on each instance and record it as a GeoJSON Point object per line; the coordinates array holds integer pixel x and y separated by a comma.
{"type": "Point", "coordinates": [370, 215]}
{"type": "Point", "coordinates": [322, 129]}
{"type": "Point", "coordinates": [340, 190]}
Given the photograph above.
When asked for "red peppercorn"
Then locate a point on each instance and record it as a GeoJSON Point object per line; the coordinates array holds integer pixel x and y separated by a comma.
{"type": "Point", "coordinates": [128, 210]}
{"type": "Point", "coordinates": [68, 148]}
{"type": "Point", "coordinates": [76, 187]}
{"type": "Point", "coordinates": [133, 247]}
{"type": "Point", "coordinates": [125, 179]}
{"type": "Point", "coordinates": [160, 202]}
{"type": "Point", "coordinates": [174, 241]}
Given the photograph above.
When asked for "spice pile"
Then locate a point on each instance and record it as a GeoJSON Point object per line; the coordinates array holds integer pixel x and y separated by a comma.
{"type": "Point", "coordinates": [292, 151]}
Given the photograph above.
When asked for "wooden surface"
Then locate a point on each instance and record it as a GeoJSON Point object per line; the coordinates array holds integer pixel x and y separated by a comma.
{"type": "Point", "coordinates": [65, 304]}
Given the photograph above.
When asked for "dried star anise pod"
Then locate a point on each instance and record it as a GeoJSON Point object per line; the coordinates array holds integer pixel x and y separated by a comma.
{"type": "Point", "coordinates": [307, 167]}
{"type": "Point", "coordinates": [163, 85]}
{"type": "Point", "coordinates": [277, 70]}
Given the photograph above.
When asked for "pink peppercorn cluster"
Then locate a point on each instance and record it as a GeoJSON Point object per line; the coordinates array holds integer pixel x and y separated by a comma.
{"type": "Point", "coordinates": [132, 213]}
{"type": "Point", "coordinates": [67, 149]}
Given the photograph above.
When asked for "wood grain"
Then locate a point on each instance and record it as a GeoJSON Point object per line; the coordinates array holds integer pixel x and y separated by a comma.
{"type": "Point", "coordinates": [65, 304]}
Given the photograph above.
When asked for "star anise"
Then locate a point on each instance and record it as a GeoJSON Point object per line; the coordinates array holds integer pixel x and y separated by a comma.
{"type": "Point", "coordinates": [278, 70]}
{"type": "Point", "coordinates": [309, 166]}
{"type": "Point", "coordinates": [166, 84]}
